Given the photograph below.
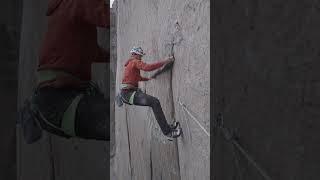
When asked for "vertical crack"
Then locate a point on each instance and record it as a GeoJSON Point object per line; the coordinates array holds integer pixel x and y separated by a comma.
{"type": "Point", "coordinates": [151, 171]}
{"type": "Point", "coordinates": [52, 173]}
{"type": "Point", "coordinates": [173, 115]}
{"type": "Point", "coordinates": [171, 83]}
{"type": "Point", "coordinates": [129, 146]}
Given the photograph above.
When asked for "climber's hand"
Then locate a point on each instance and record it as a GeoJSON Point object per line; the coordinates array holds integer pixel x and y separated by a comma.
{"type": "Point", "coordinates": [169, 59]}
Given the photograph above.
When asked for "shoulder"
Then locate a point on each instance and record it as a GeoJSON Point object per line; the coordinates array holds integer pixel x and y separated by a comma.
{"type": "Point", "coordinates": [136, 61]}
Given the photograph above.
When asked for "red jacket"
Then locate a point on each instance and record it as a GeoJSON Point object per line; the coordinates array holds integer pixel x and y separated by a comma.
{"type": "Point", "coordinates": [70, 43]}
{"type": "Point", "coordinates": [132, 70]}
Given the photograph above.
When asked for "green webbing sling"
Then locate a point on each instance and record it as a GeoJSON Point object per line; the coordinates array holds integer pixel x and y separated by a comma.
{"type": "Point", "coordinates": [132, 97]}
{"type": "Point", "coordinates": [125, 86]}
{"type": "Point", "coordinates": [68, 119]}
{"type": "Point", "coordinates": [47, 75]}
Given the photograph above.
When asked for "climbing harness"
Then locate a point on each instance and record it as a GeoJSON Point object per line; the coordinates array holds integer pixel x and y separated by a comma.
{"type": "Point", "coordinates": [47, 75]}
{"type": "Point", "coordinates": [68, 118]}
{"type": "Point", "coordinates": [120, 99]}
{"type": "Point", "coordinates": [232, 138]}
{"type": "Point", "coordinates": [31, 128]}
{"type": "Point", "coordinates": [33, 121]}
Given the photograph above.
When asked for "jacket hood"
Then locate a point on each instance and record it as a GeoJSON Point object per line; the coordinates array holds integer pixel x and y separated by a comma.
{"type": "Point", "coordinates": [52, 6]}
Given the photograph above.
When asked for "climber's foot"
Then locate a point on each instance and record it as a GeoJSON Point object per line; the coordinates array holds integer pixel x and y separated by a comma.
{"type": "Point", "coordinates": [174, 134]}
{"type": "Point", "coordinates": [174, 125]}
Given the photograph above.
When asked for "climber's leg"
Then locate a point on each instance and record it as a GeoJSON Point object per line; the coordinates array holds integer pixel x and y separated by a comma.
{"type": "Point", "coordinates": [143, 99]}
{"type": "Point", "coordinates": [92, 118]}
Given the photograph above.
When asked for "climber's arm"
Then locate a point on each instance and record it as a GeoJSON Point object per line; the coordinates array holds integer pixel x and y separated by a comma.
{"type": "Point", "coordinates": [94, 12]}
{"type": "Point", "coordinates": [145, 79]}
{"type": "Point", "coordinates": [149, 67]}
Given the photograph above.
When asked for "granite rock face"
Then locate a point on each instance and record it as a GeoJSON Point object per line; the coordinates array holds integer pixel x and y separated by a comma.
{"type": "Point", "coordinates": [10, 14]}
{"type": "Point", "coordinates": [163, 28]}
{"type": "Point", "coordinates": [266, 84]}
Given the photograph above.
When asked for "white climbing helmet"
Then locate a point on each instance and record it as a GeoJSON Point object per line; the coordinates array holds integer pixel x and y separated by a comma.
{"type": "Point", "coordinates": [137, 50]}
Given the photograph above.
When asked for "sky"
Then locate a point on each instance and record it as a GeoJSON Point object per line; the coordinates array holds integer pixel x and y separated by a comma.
{"type": "Point", "coordinates": [111, 1]}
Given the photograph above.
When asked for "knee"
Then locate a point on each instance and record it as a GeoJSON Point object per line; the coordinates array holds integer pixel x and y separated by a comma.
{"type": "Point", "coordinates": [155, 102]}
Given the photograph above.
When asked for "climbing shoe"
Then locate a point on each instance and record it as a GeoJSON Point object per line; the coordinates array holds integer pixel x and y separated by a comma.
{"type": "Point", "coordinates": [174, 134]}
{"type": "Point", "coordinates": [174, 125]}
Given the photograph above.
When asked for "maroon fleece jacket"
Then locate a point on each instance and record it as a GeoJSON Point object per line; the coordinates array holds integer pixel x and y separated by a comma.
{"type": "Point", "coordinates": [132, 70]}
{"type": "Point", "coordinates": [70, 43]}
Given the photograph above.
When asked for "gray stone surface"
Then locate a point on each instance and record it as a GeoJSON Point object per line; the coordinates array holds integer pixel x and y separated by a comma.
{"type": "Point", "coordinates": [113, 69]}
{"type": "Point", "coordinates": [10, 14]}
{"type": "Point", "coordinates": [266, 82]}
{"type": "Point", "coordinates": [142, 152]}
{"type": "Point", "coordinates": [55, 158]}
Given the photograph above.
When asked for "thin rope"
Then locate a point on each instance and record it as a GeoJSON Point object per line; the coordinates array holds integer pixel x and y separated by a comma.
{"type": "Point", "coordinates": [250, 159]}
{"type": "Point", "coordinates": [195, 119]}
{"type": "Point", "coordinates": [237, 162]}
{"type": "Point", "coordinates": [229, 137]}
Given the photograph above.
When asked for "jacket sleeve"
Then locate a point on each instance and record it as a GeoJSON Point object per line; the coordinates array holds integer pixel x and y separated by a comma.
{"type": "Point", "coordinates": [144, 79]}
{"type": "Point", "coordinates": [102, 56]}
{"type": "Point", "coordinates": [94, 12]}
{"type": "Point", "coordinates": [149, 67]}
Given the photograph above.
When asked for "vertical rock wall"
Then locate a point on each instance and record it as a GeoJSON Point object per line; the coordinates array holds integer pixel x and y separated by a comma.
{"type": "Point", "coordinates": [266, 75]}
{"type": "Point", "coordinates": [163, 28]}
{"type": "Point", "coordinates": [10, 14]}
{"type": "Point", "coordinates": [113, 69]}
{"type": "Point", "coordinates": [55, 158]}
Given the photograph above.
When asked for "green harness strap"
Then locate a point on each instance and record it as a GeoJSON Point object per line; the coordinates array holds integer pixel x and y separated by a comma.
{"type": "Point", "coordinates": [47, 75]}
{"type": "Point", "coordinates": [68, 119]}
{"type": "Point", "coordinates": [132, 97]}
{"type": "Point", "coordinates": [69, 116]}
{"type": "Point", "coordinates": [124, 86]}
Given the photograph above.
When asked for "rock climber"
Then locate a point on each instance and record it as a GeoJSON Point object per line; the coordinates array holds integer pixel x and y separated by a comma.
{"type": "Point", "coordinates": [132, 95]}
{"type": "Point", "coordinates": [66, 101]}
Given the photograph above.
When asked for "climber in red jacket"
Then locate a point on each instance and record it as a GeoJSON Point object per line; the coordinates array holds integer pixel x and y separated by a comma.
{"type": "Point", "coordinates": [69, 103]}
{"type": "Point", "coordinates": [132, 95]}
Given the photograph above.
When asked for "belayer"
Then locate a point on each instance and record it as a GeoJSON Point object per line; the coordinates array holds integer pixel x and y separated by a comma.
{"type": "Point", "coordinates": [132, 95]}
{"type": "Point", "coordinates": [65, 101]}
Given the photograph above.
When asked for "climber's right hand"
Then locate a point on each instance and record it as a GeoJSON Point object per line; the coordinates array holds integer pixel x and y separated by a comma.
{"type": "Point", "coordinates": [169, 59]}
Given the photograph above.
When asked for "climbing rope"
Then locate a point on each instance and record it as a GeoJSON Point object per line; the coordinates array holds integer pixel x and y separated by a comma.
{"type": "Point", "coordinates": [237, 162]}
{"type": "Point", "coordinates": [193, 118]}
{"type": "Point", "coordinates": [230, 137]}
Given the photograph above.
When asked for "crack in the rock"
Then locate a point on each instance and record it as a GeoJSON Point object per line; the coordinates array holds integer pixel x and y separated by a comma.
{"type": "Point", "coordinates": [151, 171]}
{"type": "Point", "coordinates": [173, 106]}
{"type": "Point", "coordinates": [129, 145]}
{"type": "Point", "coordinates": [53, 176]}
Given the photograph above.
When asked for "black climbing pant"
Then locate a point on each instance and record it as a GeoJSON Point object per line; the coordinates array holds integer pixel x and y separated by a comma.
{"type": "Point", "coordinates": [143, 99]}
{"type": "Point", "coordinates": [91, 117]}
